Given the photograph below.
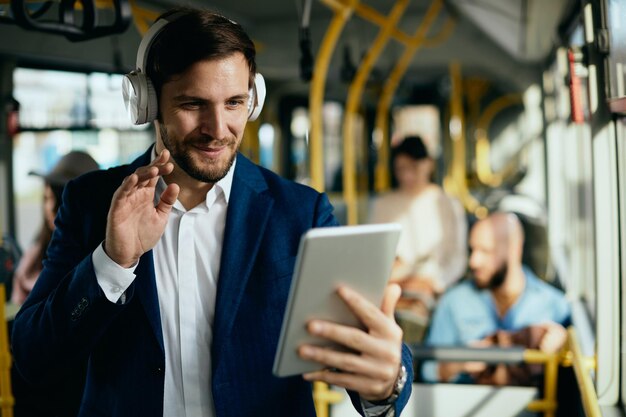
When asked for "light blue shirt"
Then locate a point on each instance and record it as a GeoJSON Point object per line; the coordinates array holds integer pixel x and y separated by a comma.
{"type": "Point", "coordinates": [466, 313]}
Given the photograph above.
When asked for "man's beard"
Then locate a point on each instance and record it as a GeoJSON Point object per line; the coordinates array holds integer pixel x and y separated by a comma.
{"type": "Point", "coordinates": [497, 279]}
{"type": "Point", "coordinates": [185, 162]}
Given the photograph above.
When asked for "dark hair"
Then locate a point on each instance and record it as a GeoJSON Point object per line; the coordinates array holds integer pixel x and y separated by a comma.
{"type": "Point", "coordinates": [57, 191]}
{"type": "Point", "coordinates": [45, 233]}
{"type": "Point", "coordinates": [411, 146]}
{"type": "Point", "coordinates": [195, 36]}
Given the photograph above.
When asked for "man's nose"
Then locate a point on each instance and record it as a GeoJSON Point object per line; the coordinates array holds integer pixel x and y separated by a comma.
{"type": "Point", "coordinates": [474, 260]}
{"type": "Point", "coordinates": [213, 123]}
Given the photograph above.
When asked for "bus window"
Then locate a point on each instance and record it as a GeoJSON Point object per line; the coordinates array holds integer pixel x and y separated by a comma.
{"type": "Point", "coordinates": [59, 112]}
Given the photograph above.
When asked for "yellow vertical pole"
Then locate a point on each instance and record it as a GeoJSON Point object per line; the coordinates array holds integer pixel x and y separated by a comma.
{"type": "Point", "coordinates": [323, 396]}
{"type": "Point", "coordinates": [455, 181]}
{"type": "Point", "coordinates": [250, 145]}
{"type": "Point", "coordinates": [383, 179]}
{"type": "Point", "coordinates": [456, 126]}
{"type": "Point", "coordinates": [342, 13]}
{"type": "Point", "coordinates": [6, 395]}
{"type": "Point", "coordinates": [318, 84]}
{"type": "Point", "coordinates": [354, 96]}
{"type": "Point", "coordinates": [550, 384]}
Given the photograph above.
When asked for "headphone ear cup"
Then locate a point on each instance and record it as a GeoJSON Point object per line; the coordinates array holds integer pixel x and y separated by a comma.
{"type": "Point", "coordinates": [139, 98]}
{"type": "Point", "coordinates": [257, 97]}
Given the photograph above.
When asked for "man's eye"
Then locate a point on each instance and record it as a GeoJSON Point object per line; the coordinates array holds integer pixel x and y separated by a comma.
{"type": "Point", "coordinates": [234, 103]}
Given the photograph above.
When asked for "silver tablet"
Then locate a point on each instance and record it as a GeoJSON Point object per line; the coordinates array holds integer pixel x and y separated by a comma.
{"type": "Point", "coordinates": [359, 257]}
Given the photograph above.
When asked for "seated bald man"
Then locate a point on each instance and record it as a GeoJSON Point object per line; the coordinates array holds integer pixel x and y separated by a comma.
{"type": "Point", "coordinates": [504, 304]}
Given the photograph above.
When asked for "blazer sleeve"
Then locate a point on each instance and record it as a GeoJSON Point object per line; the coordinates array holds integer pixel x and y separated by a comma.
{"type": "Point", "coordinates": [324, 212]}
{"type": "Point", "coordinates": [66, 312]}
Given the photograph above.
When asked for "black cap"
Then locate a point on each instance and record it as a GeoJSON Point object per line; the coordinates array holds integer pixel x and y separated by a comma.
{"type": "Point", "coordinates": [412, 146]}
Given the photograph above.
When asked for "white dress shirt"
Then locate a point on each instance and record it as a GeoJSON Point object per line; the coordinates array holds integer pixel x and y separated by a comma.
{"type": "Point", "coordinates": [186, 261]}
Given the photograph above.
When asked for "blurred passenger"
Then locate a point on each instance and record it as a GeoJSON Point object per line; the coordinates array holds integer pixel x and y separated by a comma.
{"type": "Point", "coordinates": [503, 304]}
{"type": "Point", "coordinates": [69, 166]}
{"type": "Point", "coordinates": [431, 253]}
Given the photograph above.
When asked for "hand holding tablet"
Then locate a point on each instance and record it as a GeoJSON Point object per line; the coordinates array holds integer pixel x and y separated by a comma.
{"type": "Point", "coordinates": [358, 258]}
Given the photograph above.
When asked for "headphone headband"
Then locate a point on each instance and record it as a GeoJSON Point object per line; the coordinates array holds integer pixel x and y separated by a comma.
{"type": "Point", "coordinates": [140, 96]}
{"type": "Point", "coordinates": [150, 36]}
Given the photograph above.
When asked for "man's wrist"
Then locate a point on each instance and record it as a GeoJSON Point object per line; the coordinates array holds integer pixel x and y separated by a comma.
{"type": "Point", "coordinates": [398, 386]}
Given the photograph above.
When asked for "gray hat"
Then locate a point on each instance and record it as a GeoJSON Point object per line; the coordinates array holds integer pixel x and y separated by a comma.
{"type": "Point", "coordinates": [69, 166]}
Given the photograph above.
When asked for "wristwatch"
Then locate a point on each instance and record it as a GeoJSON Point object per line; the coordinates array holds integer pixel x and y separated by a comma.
{"type": "Point", "coordinates": [399, 385]}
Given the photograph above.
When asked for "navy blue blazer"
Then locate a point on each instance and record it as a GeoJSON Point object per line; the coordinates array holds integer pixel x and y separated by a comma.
{"type": "Point", "coordinates": [67, 322]}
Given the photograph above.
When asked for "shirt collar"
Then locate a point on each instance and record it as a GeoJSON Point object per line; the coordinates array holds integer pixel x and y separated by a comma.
{"type": "Point", "coordinates": [224, 185]}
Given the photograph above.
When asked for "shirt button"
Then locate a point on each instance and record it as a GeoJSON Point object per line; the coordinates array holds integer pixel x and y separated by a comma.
{"type": "Point", "coordinates": [116, 289]}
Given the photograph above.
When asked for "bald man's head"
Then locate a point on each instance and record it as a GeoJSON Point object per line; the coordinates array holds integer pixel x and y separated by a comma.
{"type": "Point", "coordinates": [496, 246]}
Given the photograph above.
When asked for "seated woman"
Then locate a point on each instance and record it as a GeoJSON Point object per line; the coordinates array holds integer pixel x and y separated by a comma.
{"type": "Point", "coordinates": [431, 254]}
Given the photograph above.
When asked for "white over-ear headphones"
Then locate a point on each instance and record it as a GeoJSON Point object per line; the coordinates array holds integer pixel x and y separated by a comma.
{"type": "Point", "coordinates": [139, 95]}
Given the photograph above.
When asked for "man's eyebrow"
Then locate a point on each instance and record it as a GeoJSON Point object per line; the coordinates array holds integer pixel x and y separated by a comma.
{"type": "Point", "coordinates": [185, 97]}
{"type": "Point", "coordinates": [244, 96]}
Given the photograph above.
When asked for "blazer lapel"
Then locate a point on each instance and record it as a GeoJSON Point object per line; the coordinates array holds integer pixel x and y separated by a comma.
{"type": "Point", "coordinates": [249, 209]}
{"type": "Point", "coordinates": [145, 286]}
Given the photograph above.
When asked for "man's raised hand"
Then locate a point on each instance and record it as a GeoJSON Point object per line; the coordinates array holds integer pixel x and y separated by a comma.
{"type": "Point", "coordinates": [134, 223]}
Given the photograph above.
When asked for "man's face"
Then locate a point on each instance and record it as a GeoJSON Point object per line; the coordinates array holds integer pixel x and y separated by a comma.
{"type": "Point", "coordinates": [487, 260]}
{"type": "Point", "coordinates": [203, 113]}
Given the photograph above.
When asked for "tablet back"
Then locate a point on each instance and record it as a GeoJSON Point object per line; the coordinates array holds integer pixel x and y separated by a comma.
{"type": "Point", "coordinates": [359, 257]}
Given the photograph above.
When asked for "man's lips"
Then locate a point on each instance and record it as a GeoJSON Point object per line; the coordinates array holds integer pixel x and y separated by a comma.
{"type": "Point", "coordinates": [210, 150]}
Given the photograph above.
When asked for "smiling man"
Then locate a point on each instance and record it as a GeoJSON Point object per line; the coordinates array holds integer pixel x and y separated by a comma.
{"type": "Point", "coordinates": [169, 276]}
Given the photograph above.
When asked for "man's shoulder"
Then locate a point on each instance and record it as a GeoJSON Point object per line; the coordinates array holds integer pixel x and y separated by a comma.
{"type": "Point", "coordinates": [276, 184]}
{"type": "Point", "coordinates": [539, 285]}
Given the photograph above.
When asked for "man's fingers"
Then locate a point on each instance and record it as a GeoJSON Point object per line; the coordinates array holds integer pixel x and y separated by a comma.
{"type": "Point", "coordinates": [474, 367]}
{"type": "Point", "coordinates": [368, 389]}
{"type": "Point", "coordinates": [355, 339]}
{"type": "Point", "coordinates": [369, 314]}
{"type": "Point", "coordinates": [348, 362]}
{"type": "Point", "coordinates": [158, 167]}
{"type": "Point", "coordinates": [390, 300]}
{"type": "Point", "coordinates": [553, 339]}
{"type": "Point", "coordinates": [168, 198]}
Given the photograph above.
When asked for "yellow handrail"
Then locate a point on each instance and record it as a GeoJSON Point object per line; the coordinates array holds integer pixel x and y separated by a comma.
{"type": "Point", "coordinates": [455, 181]}
{"type": "Point", "coordinates": [354, 97]}
{"type": "Point", "coordinates": [6, 395]}
{"type": "Point", "coordinates": [548, 403]}
{"type": "Point", "coordinates": [343, 12]}
{"type": "Point", "coordinates": [582, 365]}
{"type": "Point", "coordinates": [250, 145]}
{"type": "Point", "coordinates": [483, 147]}
{"type": "Point", "coordinates": [142, 18]}
{"type": "Point", "coordinates": [323, 396]}
{"type": "Point", "coordinates": [373, 16]}
{"type": "Point", "coordinates": [442, 35]}
{"type": "Point", "coordinates": [382, 177]}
